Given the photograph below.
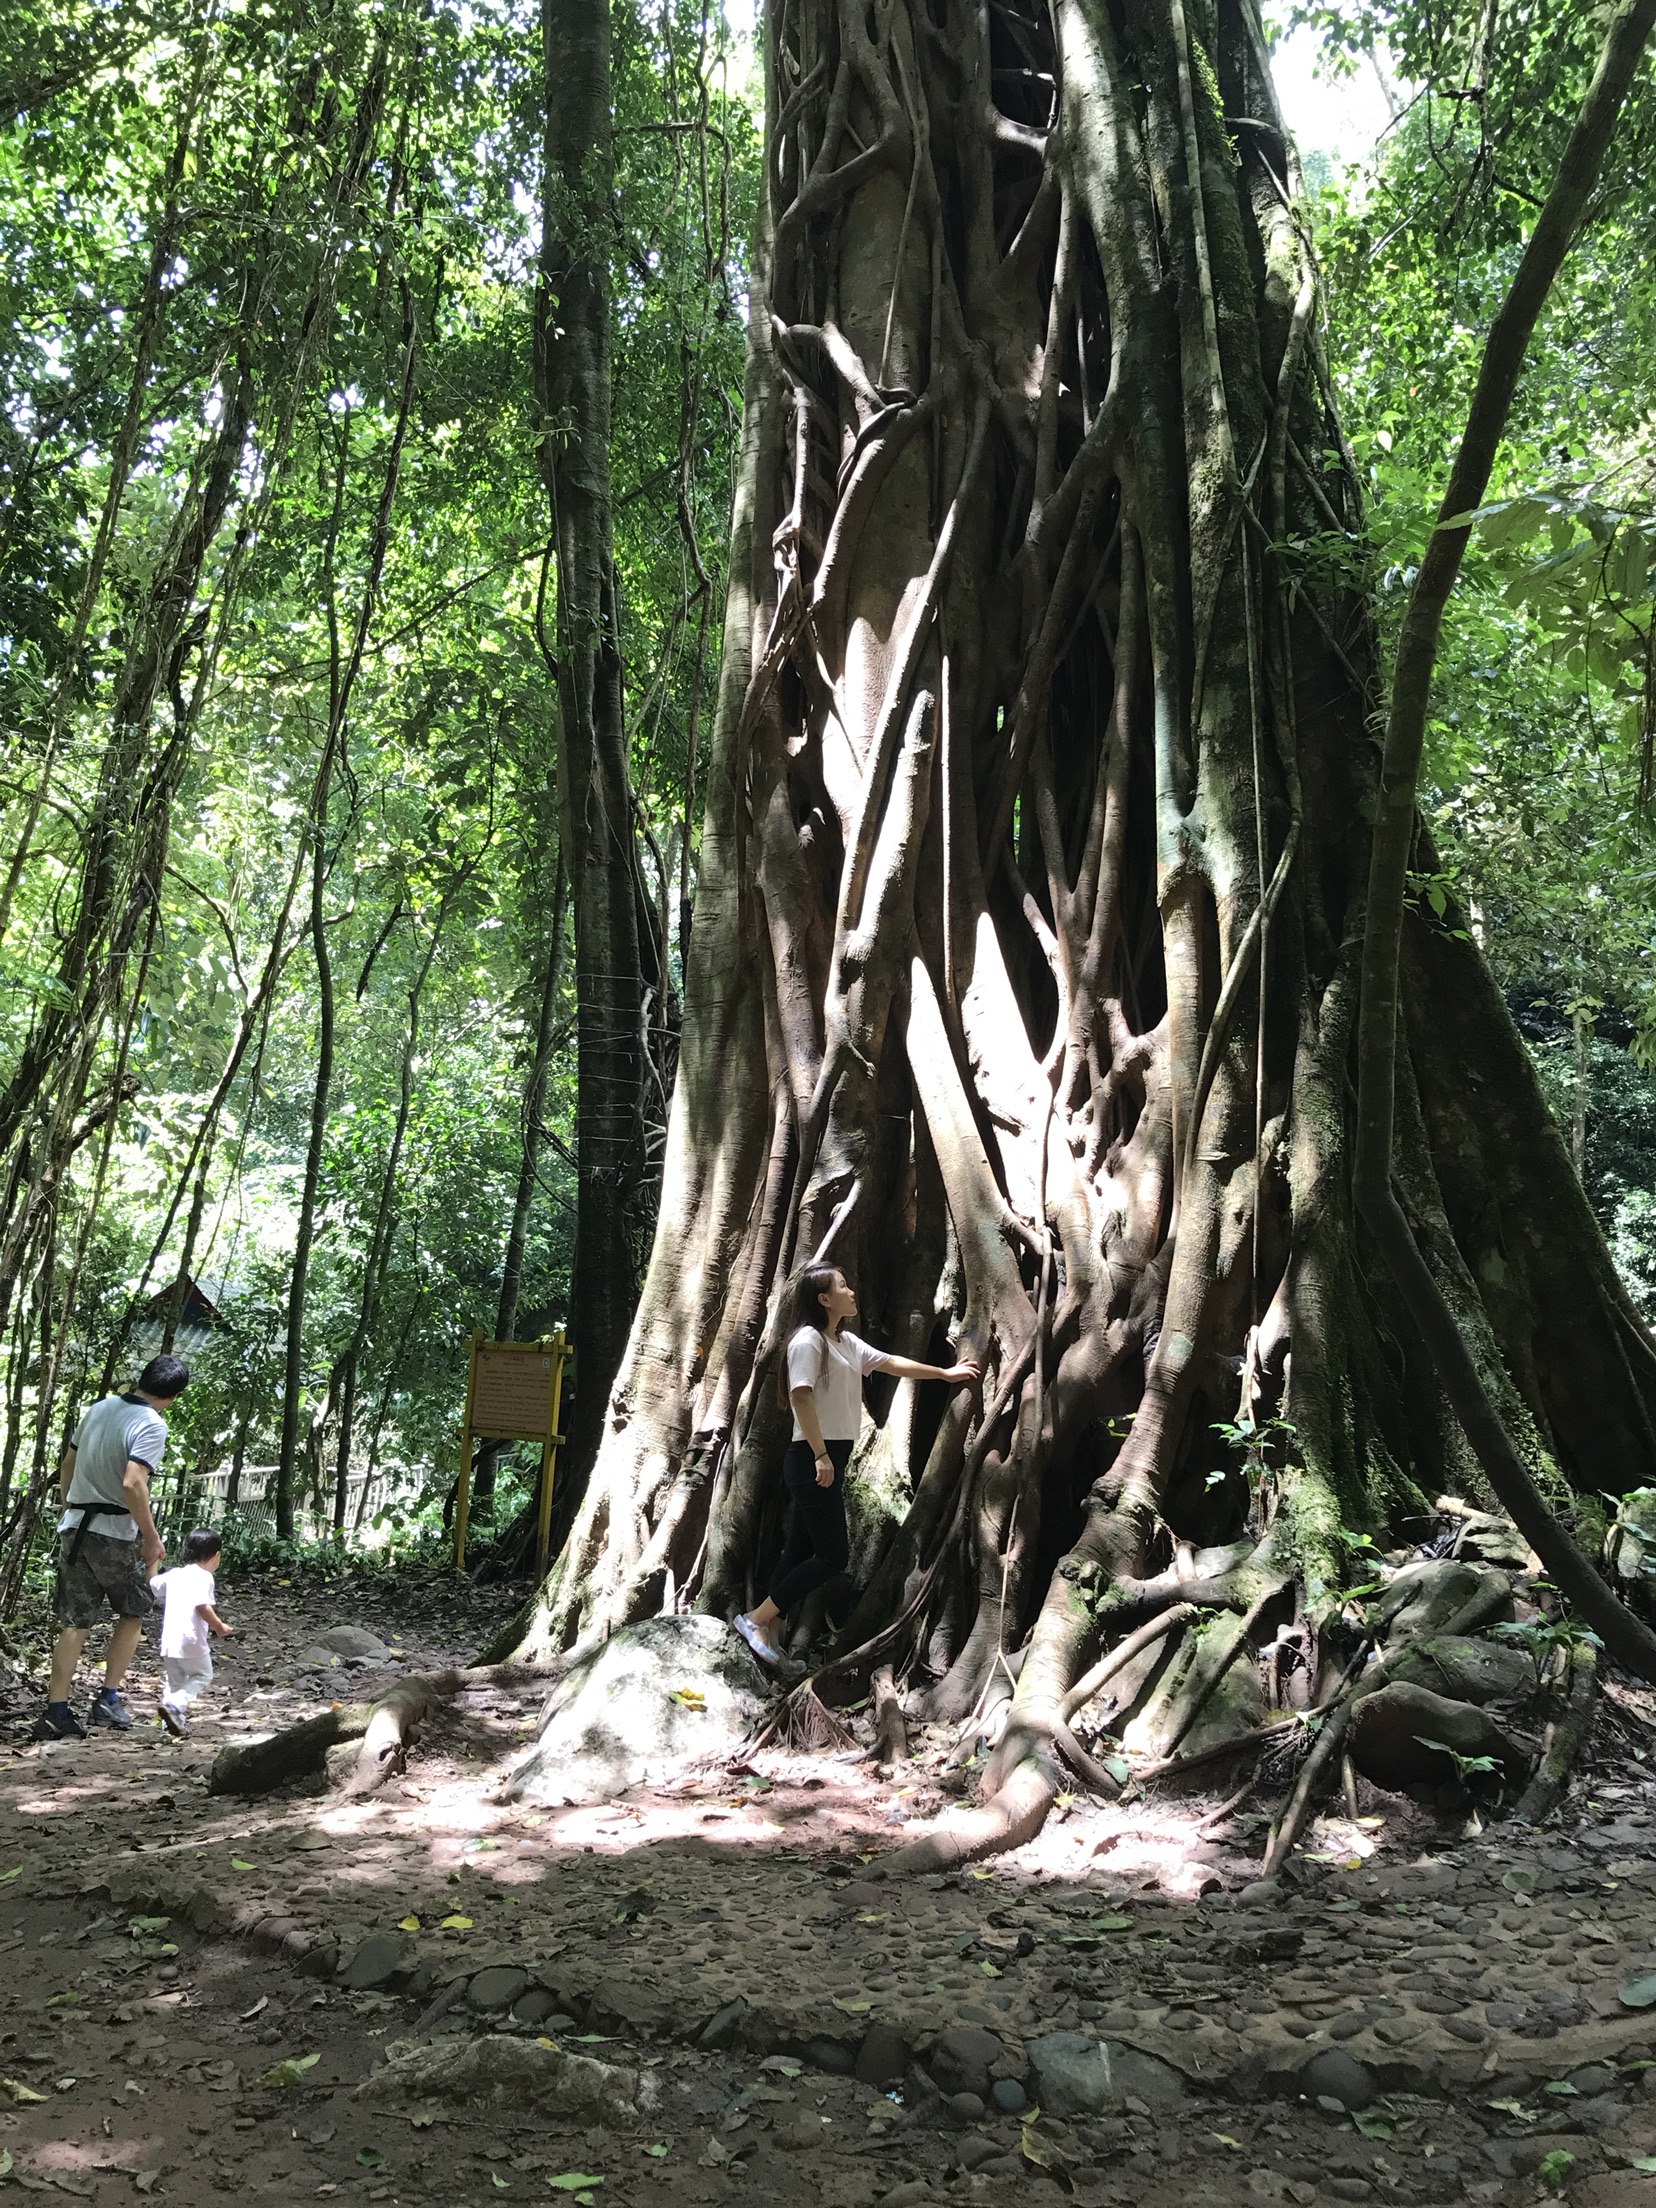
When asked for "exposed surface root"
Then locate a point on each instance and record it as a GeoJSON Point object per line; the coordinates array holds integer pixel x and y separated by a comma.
{"type": "Point", "coordinates": [384, 1748]}
{"type": "Point", "coordinates": [383, 1728]}
{"type": "Point", "coordinates": [298, 1752]}
{"type": "Point", "coordinates": [1012, 1818]}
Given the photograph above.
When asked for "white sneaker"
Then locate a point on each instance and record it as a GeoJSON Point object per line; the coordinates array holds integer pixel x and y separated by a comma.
{"type": "Point", "coordinates": [173, 1718]}
{"type": "Point", "coordinates": [789, 1666]}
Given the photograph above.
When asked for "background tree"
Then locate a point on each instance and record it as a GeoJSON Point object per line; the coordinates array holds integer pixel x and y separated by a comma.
{"type": "Point", "coordinates": [274, 572]}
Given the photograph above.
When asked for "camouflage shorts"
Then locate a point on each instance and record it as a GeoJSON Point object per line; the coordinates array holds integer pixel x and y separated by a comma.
{"type": "Point", "coordinates": [105, 1571]}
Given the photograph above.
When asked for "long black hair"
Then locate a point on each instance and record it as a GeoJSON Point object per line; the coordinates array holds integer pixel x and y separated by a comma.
{"type": "Point", "coordinates": [802, 1300]}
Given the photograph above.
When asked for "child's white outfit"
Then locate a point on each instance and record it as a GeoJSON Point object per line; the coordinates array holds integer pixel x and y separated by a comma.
{"type": "Point", "coordinates": [186, 1659]}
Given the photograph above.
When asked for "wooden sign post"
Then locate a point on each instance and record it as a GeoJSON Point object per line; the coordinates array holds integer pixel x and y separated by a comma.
{"type": "Point", "coordinates": [514, 1392]}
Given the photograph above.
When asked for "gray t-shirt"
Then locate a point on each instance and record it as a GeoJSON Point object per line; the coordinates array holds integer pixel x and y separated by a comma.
{"type": "Point", "coordinates": [110, 1433]}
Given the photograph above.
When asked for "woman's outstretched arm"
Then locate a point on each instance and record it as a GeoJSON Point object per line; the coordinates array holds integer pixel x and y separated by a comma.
{"type": "Point", "coordinates": [909, 1368]}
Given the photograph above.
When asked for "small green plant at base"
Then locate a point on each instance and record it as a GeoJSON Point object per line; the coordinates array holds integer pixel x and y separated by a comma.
{"type": "Point", "coordinates": [1466, 1767]}
{"type": "Point", "coordinates": [1254, 1441]}
{"type": "Point", "coordinates": [1541, 1635]}
{"type": "Point", "coordinates": [1554, 2168]}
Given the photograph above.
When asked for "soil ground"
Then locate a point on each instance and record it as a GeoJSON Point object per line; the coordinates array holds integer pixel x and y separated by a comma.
{"type": "Point", "coordinates": [201, 1995]}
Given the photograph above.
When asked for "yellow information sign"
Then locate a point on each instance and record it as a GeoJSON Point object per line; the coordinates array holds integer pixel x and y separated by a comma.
{"type": "Point", "coordinates": [513, 1393]}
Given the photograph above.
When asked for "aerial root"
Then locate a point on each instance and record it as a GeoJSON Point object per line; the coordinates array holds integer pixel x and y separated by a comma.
{"type": "Point", "coordinates": [1087, 1769]}
{"type": "Point", "coordinates": [803, 1721]}
{"type": "Point", "coordinates": [1562, 1740]}
{"type": "Point", "coordinates": [891, 1742]}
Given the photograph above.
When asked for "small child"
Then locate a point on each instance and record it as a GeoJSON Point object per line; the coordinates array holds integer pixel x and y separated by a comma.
{"type": "Point", "coordinates": [186, 1664]}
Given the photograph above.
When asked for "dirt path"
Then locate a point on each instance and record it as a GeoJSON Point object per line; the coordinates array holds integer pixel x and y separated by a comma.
{"type": "Point", "coordinates": [798, 2022]}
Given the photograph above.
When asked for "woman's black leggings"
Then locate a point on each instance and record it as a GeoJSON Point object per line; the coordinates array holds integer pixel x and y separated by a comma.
{"type": "Point", "coordinates": [819, 1542]}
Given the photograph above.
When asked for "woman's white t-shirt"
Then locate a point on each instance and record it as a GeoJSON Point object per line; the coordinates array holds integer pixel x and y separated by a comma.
{"type": "Point", "coordinates": [834, 1372]}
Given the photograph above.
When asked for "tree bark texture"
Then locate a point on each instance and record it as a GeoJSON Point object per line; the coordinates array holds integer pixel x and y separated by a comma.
{"type": "Point", "coordinates": [572, 372]}
{"type": "Point", "coordinates": [1024, 975]}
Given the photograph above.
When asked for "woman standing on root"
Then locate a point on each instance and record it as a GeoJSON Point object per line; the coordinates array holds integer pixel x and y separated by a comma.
{"type": "Point", "coordinates": [822, 1377]}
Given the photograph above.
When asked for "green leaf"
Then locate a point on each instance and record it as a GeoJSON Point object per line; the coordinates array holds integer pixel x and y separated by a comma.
{"type": "Point", "coordinates": [572, 2181]}
{"type": "Point", "coordinates": [1370, 2125]}
{"type": "Point", "coordinates": [283, 2074]}
{"type": "Point", "coordinates": [1640, 1992]}
{"type": "Point", "coordinates": [371, 2158]}
{"type": "Point", "coordinates": [6, 1877]}
{"type": "Point", "coordinates": [1552, 2169]}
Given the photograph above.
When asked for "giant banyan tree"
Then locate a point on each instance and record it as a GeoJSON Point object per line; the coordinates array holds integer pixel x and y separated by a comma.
{"type": "Point", "coordinates": [1027, 947]}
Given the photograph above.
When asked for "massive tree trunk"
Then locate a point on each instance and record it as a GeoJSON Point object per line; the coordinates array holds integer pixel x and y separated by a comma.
{"type": "Point", "coordinates": [1024, 971]}
{"type": "Point", "coordinates": [572, 373]}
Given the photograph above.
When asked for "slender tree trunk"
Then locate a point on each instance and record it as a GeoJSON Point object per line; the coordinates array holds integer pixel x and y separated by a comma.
{"type": "Point", "coordinates": [238, 1457]}
{"type": "Point", "coordinates": [572, 369]}
{"type": "Point", "coordinates": [344, 668]}
{"type": "Point", "coordinates": [304, 1233]}
{"type": "Point", "coordinates": [384, 1225]}
{"type": "Point", "coordinates": [534, 1106]}
{"type": "Point", "coordinates": [1581, 1029]}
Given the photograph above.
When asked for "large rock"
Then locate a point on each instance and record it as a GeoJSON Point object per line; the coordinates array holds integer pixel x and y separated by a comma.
{"type": "Point", "coordinates": [379, 1961]}
{"type": "Point", "coordinates": [962, 2059]}
{"type": "Point", "coordinates": [1470, 1670]}
{"type": "Point", "coordinates": [352, 1640]}
{"type": "Point", "coordinates": [1630, 1545]}
{"type": "Point", "coordinates": [1390, 1732]}
{"type": "Point", "coordinates": [1072, 2075]}
{"type": "Point", "coordinates": [1336, 2076]}
{"type": "Point", "coordinates": [1490, 1537]}
{"type": "Point", "coordinates": [655, 1696]}
{"type": "Point", "coordinates": [496, 1989]}
{"type": "Point", "coordinates": [1069, 2074]}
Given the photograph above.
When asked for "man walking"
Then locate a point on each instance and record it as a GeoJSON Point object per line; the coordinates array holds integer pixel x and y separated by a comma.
{"type": "Point", "coordinates": [107, 1542]}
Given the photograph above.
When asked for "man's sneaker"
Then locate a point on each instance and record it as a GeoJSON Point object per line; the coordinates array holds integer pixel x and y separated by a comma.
{"type": "Point", "coordinates": [58, 1722]}
{"type": "Point", "coordinates": [110, 1710]}
{"type": "Point", "coordinates": [789, 1666]}
{"type": "Point", "coordinates": [173, 1719]}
